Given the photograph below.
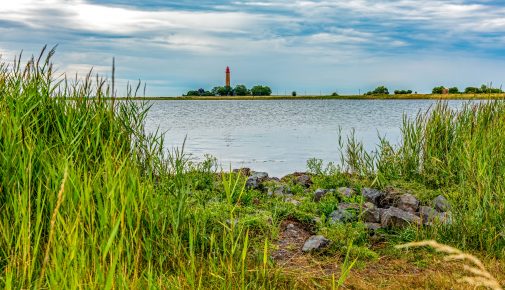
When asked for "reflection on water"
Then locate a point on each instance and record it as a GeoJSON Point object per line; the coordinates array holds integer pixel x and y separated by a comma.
{"type": "Point", "coordinates": [278, 136]}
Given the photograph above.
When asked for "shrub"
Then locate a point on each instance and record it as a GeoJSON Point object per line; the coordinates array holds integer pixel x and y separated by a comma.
{"type": "Point", "coordinates": [192, 93]}
{"type": "Point", "coordinates": [382, 90]}
{"type": "Point", "coordinates": [403, 92]}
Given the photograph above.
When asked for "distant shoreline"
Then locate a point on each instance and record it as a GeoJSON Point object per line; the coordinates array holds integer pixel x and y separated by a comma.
{"type": "Point", "coordinates": [348, 97]}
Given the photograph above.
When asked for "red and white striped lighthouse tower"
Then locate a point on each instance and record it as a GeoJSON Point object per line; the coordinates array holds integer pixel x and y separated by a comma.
{"type": "Point", "coordinates": [228, 76]}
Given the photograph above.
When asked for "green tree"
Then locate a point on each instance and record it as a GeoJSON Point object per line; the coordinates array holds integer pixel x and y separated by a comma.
{"type": "Point", "coordinates": [261, 91]}
{"type": "Point", "coordinates": [240, 90]}
{"type": "Point", "coordinates": [192, 93]}
{"type": "Point", "coordinates": [489, 90]}
{"type": "Point", "coordinates": [453, 90]}
{"type": "Point", "coordinates": [382, 90]}
{"type": "Point", "coordinates": [472, 90]}
{"type": "Point", "coordinates": [222, 91]}
{"type": "Point", "coordinates": [293, 93]}
{"type": "Point", "coordinates": [438, 90]}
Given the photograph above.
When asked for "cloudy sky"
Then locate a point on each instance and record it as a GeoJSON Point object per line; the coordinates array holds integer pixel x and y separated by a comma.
{"type": "Point", "coordinates": [304, 45]}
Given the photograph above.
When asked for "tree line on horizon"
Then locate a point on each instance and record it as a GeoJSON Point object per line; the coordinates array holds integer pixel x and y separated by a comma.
{"type": "Point", "coordinates": [484, 89]}
{"type": "Point", "coordinates": [239, 90]}
{"type": "Point", "coordinates": [259, 90]}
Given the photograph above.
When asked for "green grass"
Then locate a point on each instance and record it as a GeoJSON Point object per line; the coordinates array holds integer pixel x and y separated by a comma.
{"type": "Point", "coordinates": [460, 154]}
{"type": "Point", "coordinates": [89, 200]}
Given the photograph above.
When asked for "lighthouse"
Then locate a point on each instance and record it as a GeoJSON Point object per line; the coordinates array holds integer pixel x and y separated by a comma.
{"type": "Point", "coordinates": [228, 76]}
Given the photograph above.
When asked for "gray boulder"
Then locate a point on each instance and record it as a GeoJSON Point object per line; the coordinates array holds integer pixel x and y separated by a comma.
{"type": "Point", "coordinates": [319, 193]}
{"type": "Point", "coordinates": [398, 218]}
{"type": "Point", "coordinates": [278, 190]}
{"type": "Point", "coordinates": [346, 191]}
{"type": "Point", "coordinates": [430, 216]}
{"type": "Point", "coordinates": [372, 195]}
{"type": "Point", "coordinates": [371, 214]}
{"type": "Point", "coordinates": [441, 204]}
{"type": "Point", "coordinates": [315, 243]}
{"type": "Point", "coordinates": [303, 180]}
{"type": "Point", "coordinates": [254, 181]}
{"type": "Point", "coordinates": [427, 214]}
{"type": "Point", "coordinates": [408, 202]}
{"type": "Point", "coordinates": [341, 216]}
{"type": "Point", "coordinates": [346, 205]}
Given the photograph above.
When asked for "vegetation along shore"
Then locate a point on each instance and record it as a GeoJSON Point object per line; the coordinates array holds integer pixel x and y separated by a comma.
{"type": "Point", "coordinates": [89, 200]}
{"type": "Point", "coordinates": [463, 96]}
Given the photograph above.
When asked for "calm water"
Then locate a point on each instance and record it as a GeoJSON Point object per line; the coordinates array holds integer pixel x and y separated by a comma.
{"type": "Point", "coordinates": [278, 136]}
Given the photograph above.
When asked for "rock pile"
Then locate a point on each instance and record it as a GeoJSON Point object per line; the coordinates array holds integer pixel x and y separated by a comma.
{"type": "Point", "coordinates": [390, 209]}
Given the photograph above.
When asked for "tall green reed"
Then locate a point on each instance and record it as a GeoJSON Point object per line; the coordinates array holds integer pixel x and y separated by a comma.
{"type": "Point", "coordinates": [88, 199]}
{"type": "Point", "coordinates": [461, 152]}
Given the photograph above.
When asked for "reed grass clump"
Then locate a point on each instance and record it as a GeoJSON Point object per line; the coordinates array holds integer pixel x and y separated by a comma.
{"type": "Point", "coordinates": [89, 200]}
{"type": "Point", "coordinates": [458, 152]}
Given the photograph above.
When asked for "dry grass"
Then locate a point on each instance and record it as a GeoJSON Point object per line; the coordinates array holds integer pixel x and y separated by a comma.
{"type": "Point", "coordinates": [476, 273]}
{"type": "Point", "coordinates": [402, 273]}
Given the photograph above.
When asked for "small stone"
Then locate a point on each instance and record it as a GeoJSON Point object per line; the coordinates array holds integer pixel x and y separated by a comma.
{"type": "Point", "coordinates": [292, 201]}
{"type": "Point", "coordinates": [244, 171]}
{"type": "Point", "coordinates": [254, 181]}
{"type": "Point", "coordinates": [277, 190]}
{"type": "Point", "coordinates": [441, 204]}
{"type": "Point", "coordinates": [319, 193]}
{"type": "Point", "coordinates": [372, 195]}
{"type": "Point", "coordinates": [315, 243]}
{"type": "Point", "coordinates": [341, 216]}
{"type": "Point", "coordinates": [408, 202]}
{"type": "Point", "coordinates": [290, 227]}
{"type": "Point", "coordinates": [395, 217]}
{"type": "Point", "coordinates": [304, 180]}
{"type": "Point", "coordinates": [346, 192]}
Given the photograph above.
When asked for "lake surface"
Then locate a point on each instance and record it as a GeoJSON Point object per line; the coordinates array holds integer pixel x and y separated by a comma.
{"type": "Point", "coordinates": [278, 136]}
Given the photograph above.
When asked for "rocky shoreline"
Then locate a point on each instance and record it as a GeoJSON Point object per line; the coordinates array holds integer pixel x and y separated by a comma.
{"type": "Point", "coordinates": [385, 208]}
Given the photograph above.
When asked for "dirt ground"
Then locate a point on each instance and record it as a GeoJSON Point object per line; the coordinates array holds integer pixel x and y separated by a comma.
{"type": "Point", "coordinates": [387, 272]}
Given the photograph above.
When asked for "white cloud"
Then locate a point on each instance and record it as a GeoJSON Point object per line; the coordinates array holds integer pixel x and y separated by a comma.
{"type": "Point", "coordinates": [320, 43]}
